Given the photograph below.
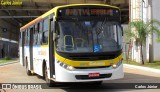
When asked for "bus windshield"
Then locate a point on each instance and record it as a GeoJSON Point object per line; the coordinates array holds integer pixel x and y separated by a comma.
{"type": "Point", "coordinates": [88, 36]}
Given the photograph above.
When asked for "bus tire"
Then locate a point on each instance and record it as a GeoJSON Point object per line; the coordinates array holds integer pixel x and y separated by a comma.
{"type": "Point", "coordinates": [27, 68]}
{"type": "Point", "coordinates": [43, 69]}
{"type": "Point", "coordinates": [48, 81]}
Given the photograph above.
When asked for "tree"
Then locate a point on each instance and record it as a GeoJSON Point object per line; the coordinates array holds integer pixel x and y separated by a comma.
{"type": "Point", "coordinates": [140, 30]}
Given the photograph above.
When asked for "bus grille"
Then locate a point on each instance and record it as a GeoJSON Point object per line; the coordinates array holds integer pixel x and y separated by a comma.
{"type": "Point", "coordinates": [93, 57]}
{"type": "Point", "coordinates": [83, 77]}
{"type": "Point", "coordinates": [92, 67]}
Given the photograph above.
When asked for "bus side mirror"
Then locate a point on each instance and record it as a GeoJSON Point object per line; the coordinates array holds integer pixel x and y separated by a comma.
{"type": "Point", "coordinates": [55, 36]}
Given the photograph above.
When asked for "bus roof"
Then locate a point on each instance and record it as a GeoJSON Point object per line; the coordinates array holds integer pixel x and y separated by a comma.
{"type": "Point", "coordinates": [55, 8]}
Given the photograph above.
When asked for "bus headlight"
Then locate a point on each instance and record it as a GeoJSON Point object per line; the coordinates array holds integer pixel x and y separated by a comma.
{"type": "Point", "coordinates": [117, 65]}
{"type": "Point", "coordinates": [114, 65]}
{"type": "Point", "coordinates": [71, 68]}
{"type": "Point", "coordinates": [68, 67]}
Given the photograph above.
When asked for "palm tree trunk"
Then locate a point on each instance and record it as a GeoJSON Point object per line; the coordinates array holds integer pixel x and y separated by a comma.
{"type": "Point", "coordinates": [142, 61]}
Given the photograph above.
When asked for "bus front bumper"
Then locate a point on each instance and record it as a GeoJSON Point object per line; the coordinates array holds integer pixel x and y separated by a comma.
{"type": "Point", "coordinates": [81, 75]}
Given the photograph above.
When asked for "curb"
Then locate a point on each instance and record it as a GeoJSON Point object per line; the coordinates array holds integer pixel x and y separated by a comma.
{"type": "Point", "coordinates": [142, 68]}
{"type": "Point", "coordinates": [8, 63]}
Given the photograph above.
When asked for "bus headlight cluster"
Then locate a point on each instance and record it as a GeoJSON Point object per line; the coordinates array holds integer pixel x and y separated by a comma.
{"type": "Point", "coordinates": [117, 65]}
{"type": "Point", "coordinates": [68, 67]}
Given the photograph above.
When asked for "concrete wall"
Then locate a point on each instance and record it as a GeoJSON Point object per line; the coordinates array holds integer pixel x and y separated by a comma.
{"type": "Point", "coordinates": [156, 15]}
{"type": "Point", "coordinates": [8, 44]}
{"type": "Point", "coordinates": [136, 14]}
{"type": "Point", "coordinates": [147, 10]}
{"type": "Point", "coordinates": [125, 45]}
{"type": "Point", "coordinates": [12, 31]}
{"type": "Point", "coordinates": [147, 15]}
{"type": "Point", "coordinates": [151, 11]}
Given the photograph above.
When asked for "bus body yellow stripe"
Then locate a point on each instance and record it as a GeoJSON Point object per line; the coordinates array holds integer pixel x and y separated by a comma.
{"type": "Point", "coordinates": [88, 63]}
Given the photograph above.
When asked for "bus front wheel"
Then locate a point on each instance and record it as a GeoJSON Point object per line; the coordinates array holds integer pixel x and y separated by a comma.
{"type": "Point", "coordinates": [48, 81]}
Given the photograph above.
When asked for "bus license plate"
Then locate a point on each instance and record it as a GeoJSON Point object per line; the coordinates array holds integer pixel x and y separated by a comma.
{"type": "Point", "coordinates": [93, 75]}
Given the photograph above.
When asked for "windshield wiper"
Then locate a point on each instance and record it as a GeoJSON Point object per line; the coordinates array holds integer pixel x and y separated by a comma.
{"type": "Point", "coordinates": [99, 28]}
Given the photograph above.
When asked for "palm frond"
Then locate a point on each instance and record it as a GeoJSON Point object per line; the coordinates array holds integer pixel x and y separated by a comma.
{"type": "Point", "coordinates": [143, 29]}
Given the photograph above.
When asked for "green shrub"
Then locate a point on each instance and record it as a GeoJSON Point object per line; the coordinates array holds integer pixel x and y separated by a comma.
{"type": "Point", "coordinates": [7, 58]}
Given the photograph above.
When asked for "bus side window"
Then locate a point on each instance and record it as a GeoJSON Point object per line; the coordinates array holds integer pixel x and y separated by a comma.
{"type": "Point", "coordinates": [26, 37]}
{"type": "Point", "coordinates": [20, 38]}
{"type": "Point", "coordinates": [39, 42]}
{"type": "Point", "coordinates": [36, 34]}
{"type": "Point", "coordinates": [45, 32]}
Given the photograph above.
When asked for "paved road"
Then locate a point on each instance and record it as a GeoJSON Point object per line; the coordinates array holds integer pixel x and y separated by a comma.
{"type": "Point", "coordinates": [15, 73]}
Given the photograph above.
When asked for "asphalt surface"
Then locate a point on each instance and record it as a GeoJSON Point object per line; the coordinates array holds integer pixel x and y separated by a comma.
{"type": "Point", "coordinates": [15, 73]}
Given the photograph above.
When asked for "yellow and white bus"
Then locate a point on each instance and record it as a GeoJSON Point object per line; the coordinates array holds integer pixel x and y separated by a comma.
{"type": "Point", "coordinates": [74, 43]}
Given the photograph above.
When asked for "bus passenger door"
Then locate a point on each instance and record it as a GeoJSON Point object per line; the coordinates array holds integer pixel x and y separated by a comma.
{"type": "Point", "coordinates": [51, 49]}
{"type": "Point", "coordinates": [22, 43]}
{"type": "Point", "coordinates": [31, 48]}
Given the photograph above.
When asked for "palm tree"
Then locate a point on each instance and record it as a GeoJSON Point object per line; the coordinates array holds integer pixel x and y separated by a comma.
{"type": "Point", "coordinates": [140, 30]}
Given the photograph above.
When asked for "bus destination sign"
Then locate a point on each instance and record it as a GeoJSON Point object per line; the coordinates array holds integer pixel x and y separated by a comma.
{"type": "Point", "coordinates": [87, 12]}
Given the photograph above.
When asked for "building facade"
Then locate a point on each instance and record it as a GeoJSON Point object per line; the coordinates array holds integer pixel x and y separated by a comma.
{"type": "Point", "coordinates": [8, 39]}
{"type": "Point", "coordinates": [145, 10]}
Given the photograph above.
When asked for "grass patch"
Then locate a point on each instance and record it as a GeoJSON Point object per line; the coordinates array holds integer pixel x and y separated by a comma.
{"type": "Point", "coordinates": [155, 64]}
{"type": "Point", "coordinates": [7, 60]}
